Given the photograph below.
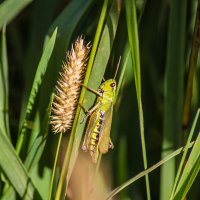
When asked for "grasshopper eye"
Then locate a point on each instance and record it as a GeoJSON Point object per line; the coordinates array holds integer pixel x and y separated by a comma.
{"type": "Point", "coordinates": [112, 85]}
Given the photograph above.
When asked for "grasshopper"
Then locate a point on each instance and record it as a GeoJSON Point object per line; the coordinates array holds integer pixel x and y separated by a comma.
{"type": "Point", "coordinates": [97, 137]}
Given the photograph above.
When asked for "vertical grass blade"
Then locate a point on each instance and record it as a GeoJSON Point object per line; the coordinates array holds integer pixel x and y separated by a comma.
{"type": "Point", "coordinates": [9, 9]}
{"type": "Point", "coordinates": [15, 171]}
{"type": "Point", "coordinates": [173, 102]}
{"type": "Point", "coordinates": [132, 27]}
{"type": "Point", "coordinates": [42, 67]}
{"type": "Point", "coordinates": [4, 119]}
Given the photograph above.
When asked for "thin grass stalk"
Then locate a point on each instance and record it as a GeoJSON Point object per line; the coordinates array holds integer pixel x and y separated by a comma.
{"type": "Point", "coordinates": [54, 166]}
{"type": "Point", "coordinates": [86, 79]}
{"type": "Point", "coordinates": [134, 47]}
{"type": "Point", "coordinates": [150, 169]}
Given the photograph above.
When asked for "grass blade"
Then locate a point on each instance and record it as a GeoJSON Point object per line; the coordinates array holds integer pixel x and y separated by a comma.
{"type": "Point", "coordinates": [37, 148]}
{"type": "Point", "coordinates": [14, 170]}
{"type": "Point", "coordinates": [10, 8]}
{"type": "Point", "coordinates": [54, 167]}
{"type": "Point", "coordinates": [132, 27]}
{"type": "Point", "coordinates": [173, 104]}
{"type": "Point", "coordinates": [183, 159]}
{"type": "Point", "coordinates": [4, 120]}
{"type": "Point", "coordinates": [42, 67]}
{"type": "Point", "coordinates": [190, 172]}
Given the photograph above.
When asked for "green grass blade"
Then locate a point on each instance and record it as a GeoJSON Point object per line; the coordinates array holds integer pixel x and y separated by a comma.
{"type": "Point", "coordinates": [10, 8]}
{"type": "Point", "coordinates": [173, 102]}
{"type": "Point", "coordinates": [98, 70]}
{"type": "Point", "coordinates": [54, 167]}
{"type": "Point", "coordinates": [132, 27]}
{"type": "Point", "coordinates": [42, 67]}
{"type": "Point", "coordinates": [10, 194]}
{"type": "Point", "coordinates": [190, 172]}
{"type": "Point", "coordinates": [4, 120]}
{"type": "Point", "coordinates": [15, 171]}
{"type": "Point", "coordinates": [183, 159]}
{"type": "Point", "coordinates": [150, 169]}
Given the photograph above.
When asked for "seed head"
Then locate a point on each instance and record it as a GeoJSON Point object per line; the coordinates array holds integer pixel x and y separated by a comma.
{"type": "Point", "coordinates": [68, 86]}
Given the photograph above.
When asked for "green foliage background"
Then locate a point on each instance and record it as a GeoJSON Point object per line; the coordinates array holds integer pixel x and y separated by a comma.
{"type": "Point", "coordinates": [154, 39]}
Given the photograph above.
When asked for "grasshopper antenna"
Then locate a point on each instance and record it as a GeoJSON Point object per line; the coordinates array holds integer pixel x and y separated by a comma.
{"type": "Point", "coordinates": [117, 67]}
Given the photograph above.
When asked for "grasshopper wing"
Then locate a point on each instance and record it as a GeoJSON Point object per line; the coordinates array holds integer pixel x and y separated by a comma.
{"type": "Point", "coordinates": [104, 141]}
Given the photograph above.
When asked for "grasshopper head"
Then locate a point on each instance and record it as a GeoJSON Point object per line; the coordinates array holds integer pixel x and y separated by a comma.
{"type": "Point", "coordinates": [108, 86]}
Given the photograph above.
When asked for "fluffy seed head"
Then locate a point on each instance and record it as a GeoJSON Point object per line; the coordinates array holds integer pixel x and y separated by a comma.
{"type": "Point", "coordinates": [68, 86]}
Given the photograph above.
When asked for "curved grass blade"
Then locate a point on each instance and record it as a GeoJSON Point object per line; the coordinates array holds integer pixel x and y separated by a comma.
{"type": "Point", "coordinates": [10, 8]}
{"type": "Point", "coordinates": [15, 171]}
{"type": "Point", "coordinates": [150, 169]}
{"type": "Point", "coordinates": [4, 120]}
{"type": "Point", "coordinates": [135, 55]}
{"type": "Point", "coordinates": [36, 85]}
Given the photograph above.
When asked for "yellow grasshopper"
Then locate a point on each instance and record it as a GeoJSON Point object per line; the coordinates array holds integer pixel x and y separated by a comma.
{"type": "Point", "coordinates": [97, 137]}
